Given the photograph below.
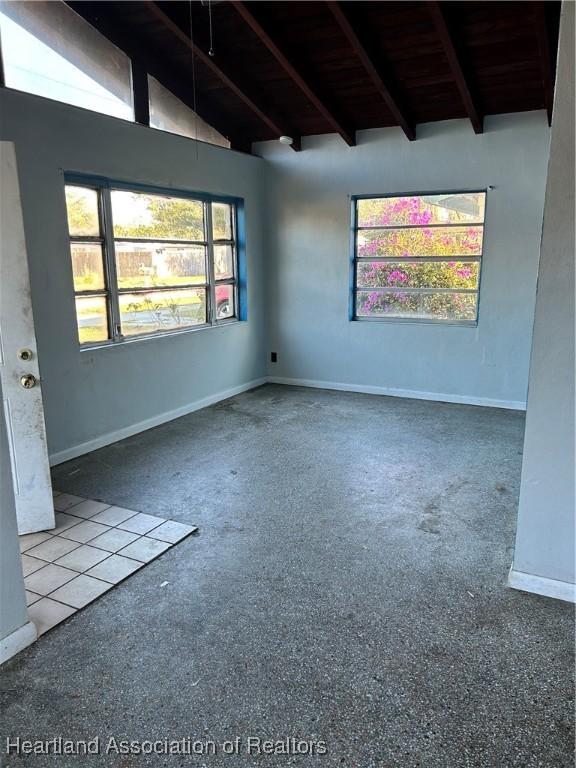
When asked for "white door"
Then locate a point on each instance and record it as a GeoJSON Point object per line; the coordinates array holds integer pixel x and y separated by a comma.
{"type": "Point", "coordinates": [19, 372]}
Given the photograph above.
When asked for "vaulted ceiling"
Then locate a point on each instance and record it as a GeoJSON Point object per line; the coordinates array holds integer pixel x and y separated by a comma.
{"type": "Point", "coordinates": [302, 68]}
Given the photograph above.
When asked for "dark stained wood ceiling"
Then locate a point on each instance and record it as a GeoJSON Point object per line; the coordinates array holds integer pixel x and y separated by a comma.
{"type": "Point", "coordinates": [300, 68]}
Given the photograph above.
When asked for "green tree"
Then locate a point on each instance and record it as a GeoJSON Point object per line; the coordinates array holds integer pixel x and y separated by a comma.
{"type": "Point", "coordinates": [168, 218]}
{"type": "Point", "coordinates": [82, 208]}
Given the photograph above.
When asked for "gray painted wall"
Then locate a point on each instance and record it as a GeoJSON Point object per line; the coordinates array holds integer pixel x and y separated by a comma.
{"type": "Point", "coordinates": [13, 614]}
{"type": "Point", "coordinates": [309, 215]}
{"type": "Point", "coordinates": [92, 394]}
{"type": "Point", "coordinates": [545, 533]}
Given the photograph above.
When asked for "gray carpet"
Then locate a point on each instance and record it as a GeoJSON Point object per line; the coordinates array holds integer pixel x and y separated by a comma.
{"type": "Point", "coordinates": [348, 586]}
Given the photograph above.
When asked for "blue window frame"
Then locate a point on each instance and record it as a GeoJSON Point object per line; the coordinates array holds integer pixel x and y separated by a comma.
{"type": "Point", "coordinates": [149, 261]}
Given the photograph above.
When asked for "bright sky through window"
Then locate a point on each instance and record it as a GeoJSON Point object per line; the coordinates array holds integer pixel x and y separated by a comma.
{"type": "Point", "coordinates": [32, 66]}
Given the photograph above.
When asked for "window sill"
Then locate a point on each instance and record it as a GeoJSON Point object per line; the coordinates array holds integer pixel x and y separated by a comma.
{"type": "Point", "coordinates": [416, 321]}
{"type": "Point", "coordinates": [149, 336]}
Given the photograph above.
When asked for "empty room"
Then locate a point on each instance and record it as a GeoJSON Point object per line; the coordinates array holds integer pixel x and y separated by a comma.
{"type": "Point", "coordinates": [287, 355]}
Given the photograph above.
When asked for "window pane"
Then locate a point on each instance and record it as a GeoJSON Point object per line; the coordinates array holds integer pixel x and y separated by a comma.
{"type": "Point", "coordinates": [157, 217]}
{"type": "Point", "coordinates": [425, 306]}
{"type": "Point", "coordinates": [222, 221]}
{"type": "Point", "coordinates": [161, 310]}
{"type": "Point", "coordinates": [422, 274]}
{"type": "Point", "coordinates": [82, 208]}
{"type": "Point", "coordinates": [51, 51]}
{"type": "Point", "coordinates": [168, 113]}
{"type": "Point", "coordinates": [87, 266]}
{"type": "Point", "coordinates": [225, 302]}
{"type": "Point", "coordinates": [147, 265]}
{"type": "Point", "coordinates": [465, 208]}
{"type": "Point", "coordinates": [427, 241]}
{"type": "Point", "coordinates": [223, 262]}
{"type": "Point", "coordinates": [92, 318]}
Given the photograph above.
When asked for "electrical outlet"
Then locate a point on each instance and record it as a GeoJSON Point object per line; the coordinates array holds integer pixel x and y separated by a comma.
{"type": "Point", "coordinates": [273, 357]}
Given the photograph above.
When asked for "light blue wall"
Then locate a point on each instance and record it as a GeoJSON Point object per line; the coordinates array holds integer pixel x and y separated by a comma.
{"type": "Point", "coordinates": [545, 543]}
{"type": "Point", "coordinates": [91, 395]}
{"type": "Point", "coordinates": [297, 216]}
{"type": "Point", "coordinates": [307, 290]}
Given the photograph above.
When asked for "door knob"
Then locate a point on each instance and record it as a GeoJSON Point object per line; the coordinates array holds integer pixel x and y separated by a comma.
{"type": "Point", "coordinates": [28, 381]}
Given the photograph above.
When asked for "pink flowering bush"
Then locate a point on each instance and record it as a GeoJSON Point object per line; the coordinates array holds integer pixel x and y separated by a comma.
{"type": "Point", "coordinates": [423, 274]}
{"type": "Point", "coordinates": [408, 237]}
{"type": "Point", "coordinates": [439, 306]}
{"type": "Point", "coordinates": [407, 243]}
{"type": "Point", "coordinates": [430, 209]}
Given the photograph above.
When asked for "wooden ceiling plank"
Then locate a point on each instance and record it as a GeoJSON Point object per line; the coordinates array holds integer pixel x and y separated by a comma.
{"type": "Point", "coordinates": [372, 71]}
{"type": "Point", "coordinates": [264, 113]}
{"type": "Point", "coordinates": [546, 72]}
{"type": "Point", "coordinates": [443, 33]}
{"type": "Point", "coordinates": [319, 103]}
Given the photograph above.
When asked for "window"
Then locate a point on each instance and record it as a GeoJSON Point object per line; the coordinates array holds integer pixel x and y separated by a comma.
{"type": "Point", "coordinates": [49, 50]}
{"type": "Point", "coordinates": [150, 262]}
{"type": "Point", "coordinates": [168, 113]}
{"type": "Point", "coordinates": [417, 257]}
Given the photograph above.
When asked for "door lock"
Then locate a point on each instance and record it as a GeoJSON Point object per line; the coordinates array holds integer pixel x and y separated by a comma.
{"type": "Point", "coordinates": [28, 381]}
{"type": "Point", "coordinates": [25, 354]}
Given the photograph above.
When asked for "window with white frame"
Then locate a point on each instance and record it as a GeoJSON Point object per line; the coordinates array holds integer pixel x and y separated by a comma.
{"type": "Point", "coordinates": [418, 257]}
{"type": "Point", "coordinates": [150, 262]}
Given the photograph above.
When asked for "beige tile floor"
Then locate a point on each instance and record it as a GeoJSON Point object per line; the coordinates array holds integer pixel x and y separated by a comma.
{"type": "Point", "coordinates": [93, 547]}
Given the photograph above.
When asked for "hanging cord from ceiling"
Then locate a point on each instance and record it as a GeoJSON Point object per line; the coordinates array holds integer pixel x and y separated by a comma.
{"type": "Point", "coordinates": [211, 49]}
{"type": "Point", "coordinates": [193, 60]}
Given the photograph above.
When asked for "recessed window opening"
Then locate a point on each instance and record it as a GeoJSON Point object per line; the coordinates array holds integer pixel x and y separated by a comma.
{"type": "Point", "coordinates": [150, 263]}
{"type": "Point", "coordinates": [418, 257]}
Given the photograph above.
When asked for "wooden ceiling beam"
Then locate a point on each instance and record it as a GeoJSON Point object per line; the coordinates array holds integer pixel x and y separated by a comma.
{"type": "Point", "coordinates": [319, 102]}
{"type": "Point", "coordinates": [265, 113]}
{"type": "Point", "coordinates": [140, 93]}
{"type": "Point", "coordinates": [546, 70]}
{"type": "Point", "coordinates": [443, 33]}
{"type": "Point", "coordinates": [372, 71]}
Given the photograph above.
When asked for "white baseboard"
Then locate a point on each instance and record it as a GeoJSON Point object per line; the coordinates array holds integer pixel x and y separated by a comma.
{"type": "Point", "coordinates": [16, 641]}
{"type": "Point", "coordinates": [155, 421]}
{"type": "Point", "coordinates": [120, 434]}
{"type": "Point", "coordinates": [367, 389]}
{"type": "Point", "coordinates": [540, 585]}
